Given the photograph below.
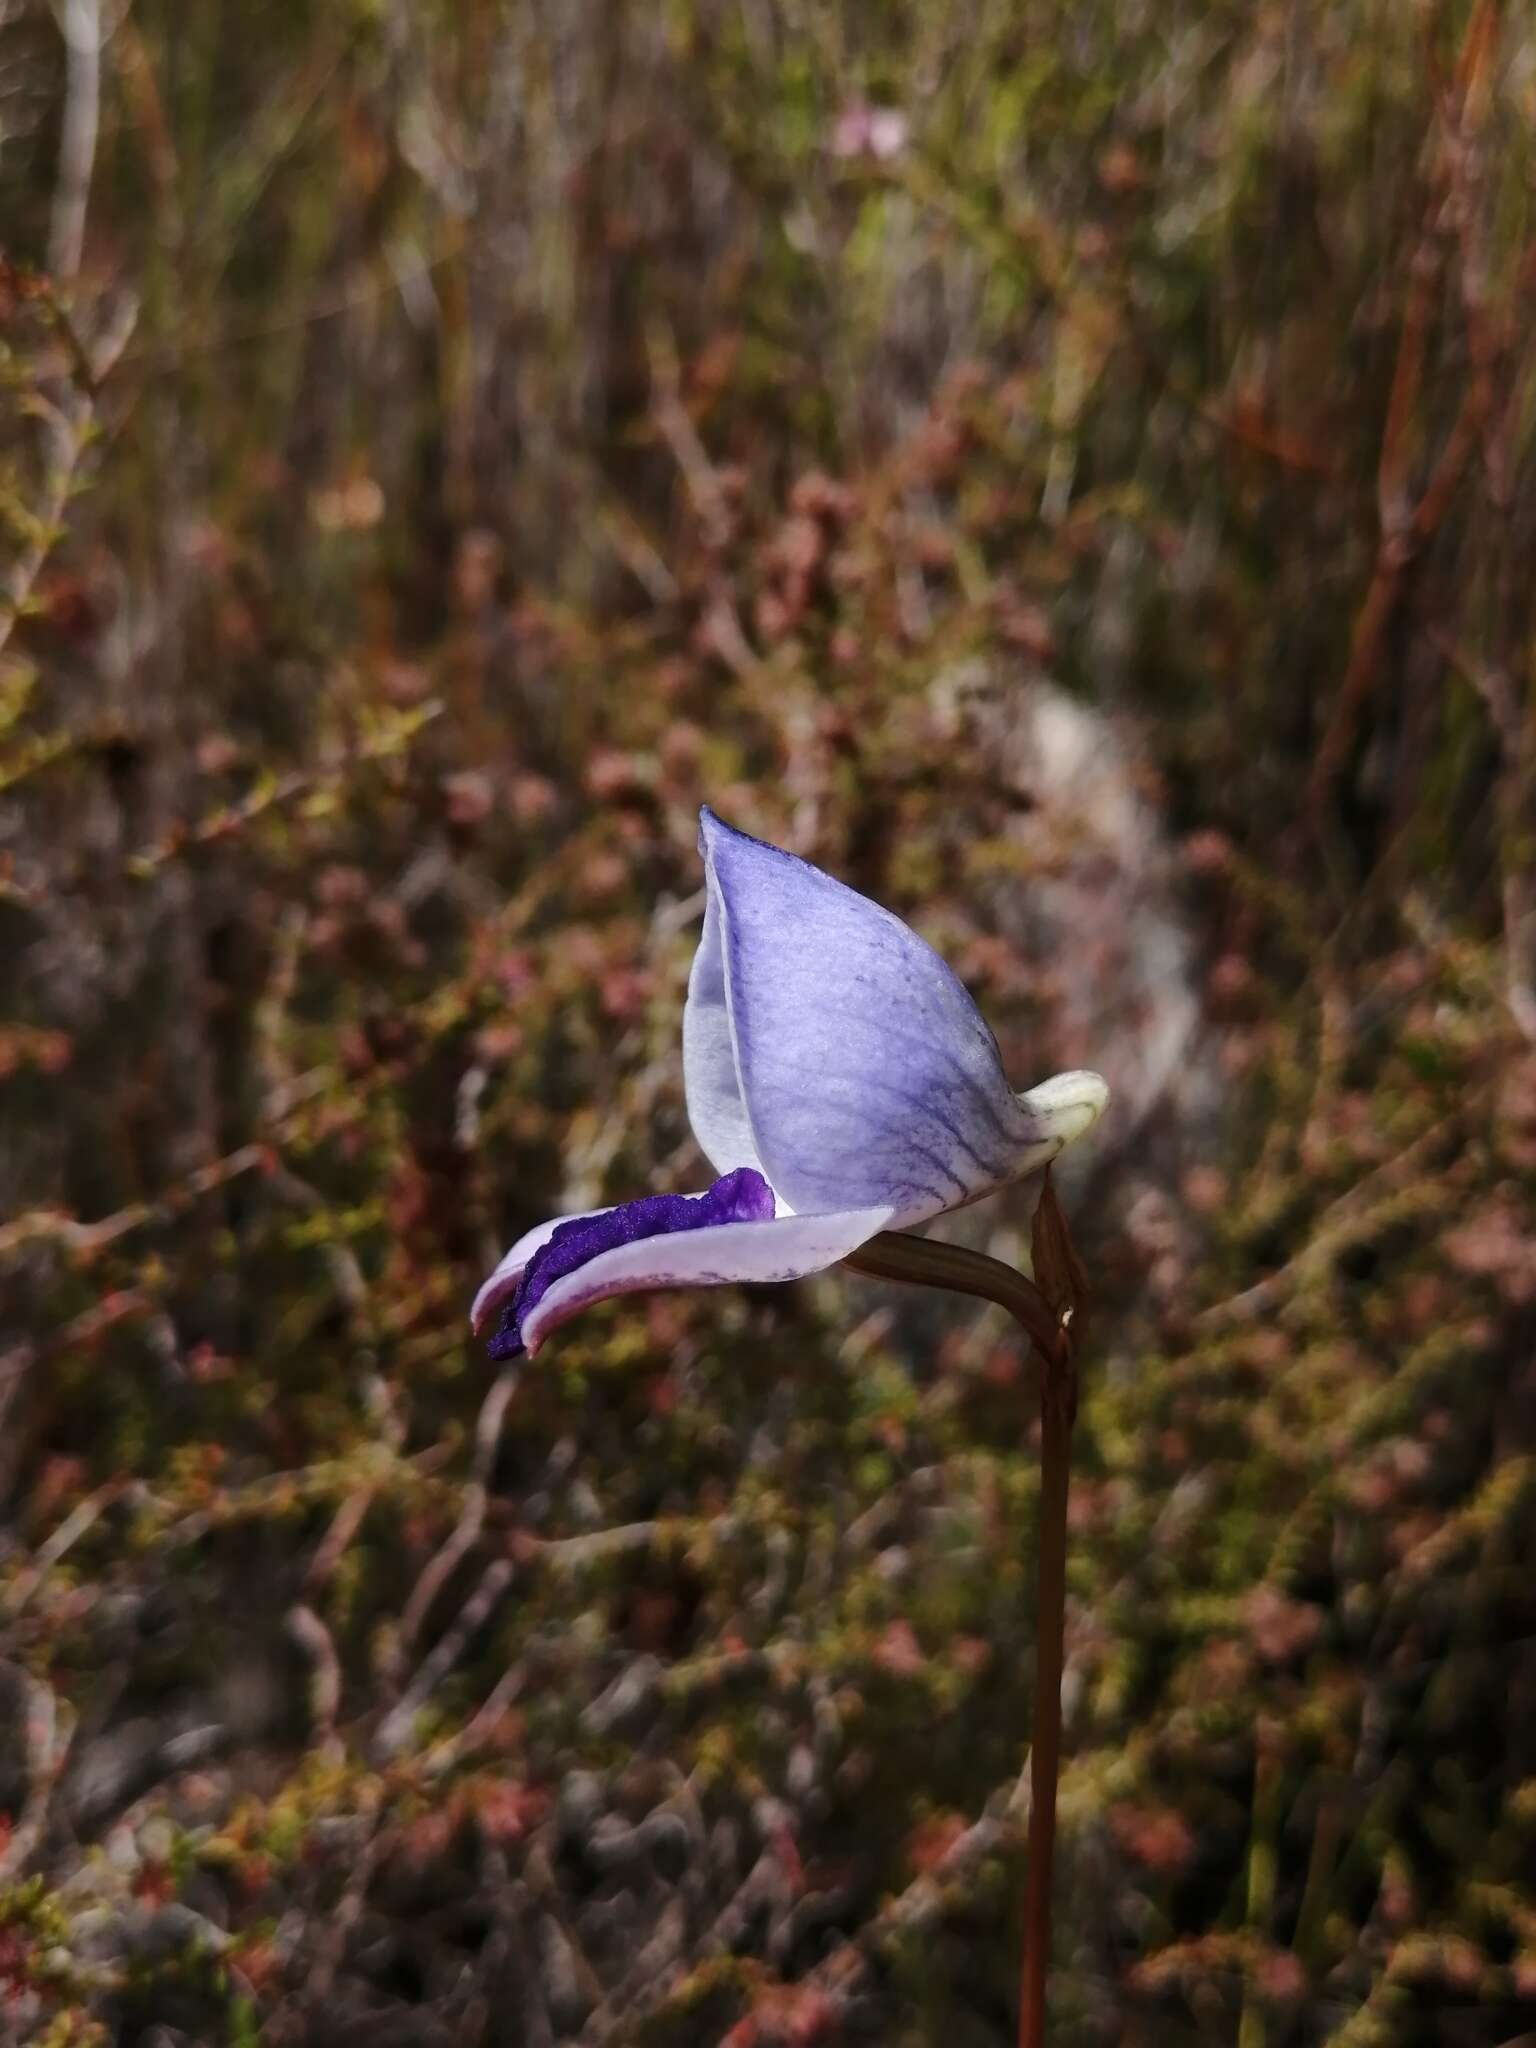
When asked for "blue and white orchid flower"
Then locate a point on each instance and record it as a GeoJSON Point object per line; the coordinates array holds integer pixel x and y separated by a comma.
{"type": "Point", "coordinates": [839, 1079]}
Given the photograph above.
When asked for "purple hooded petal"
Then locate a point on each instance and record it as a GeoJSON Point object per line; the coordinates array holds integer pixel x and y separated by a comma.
{"type": "Point", "coordinates": [719, 1254]}
{"type": "Point", "coordinates": [564, 1248]}
{"type": "Point", "coordinates": [867, 1075]}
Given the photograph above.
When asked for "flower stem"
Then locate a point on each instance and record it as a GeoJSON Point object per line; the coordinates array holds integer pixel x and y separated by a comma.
{"type": "Point", "coordinates": [1052, 1322]}
{"type": "Point", "coordinates": [893, 1255]}
{"type": "Point", "coordinates": [1045, 1745]}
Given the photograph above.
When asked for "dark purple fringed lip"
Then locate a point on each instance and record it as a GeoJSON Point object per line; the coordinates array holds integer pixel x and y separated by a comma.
{"type": "Point", "coordinates": [740, 1197]}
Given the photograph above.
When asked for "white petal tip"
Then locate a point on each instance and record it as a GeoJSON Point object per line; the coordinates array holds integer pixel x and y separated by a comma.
{"type": "Point", "coordinates": [1066, 1106]}
{"type": "Point", "coordinates": [480, 1310]}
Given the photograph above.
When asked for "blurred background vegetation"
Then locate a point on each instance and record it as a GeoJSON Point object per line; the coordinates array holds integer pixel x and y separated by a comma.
{"type": "Point", "coordinates": [1069, 469]}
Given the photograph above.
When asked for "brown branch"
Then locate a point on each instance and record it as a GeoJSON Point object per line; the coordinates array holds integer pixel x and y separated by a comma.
{"type": "Point", "coordinates": [1405, 529]}
{"type": "Point", "coordinates": [69, 431]}
{"type": "Point", "coordinates": [465, 1533]}
{"type": "Point", "coordinates": [312, 1636]}
{"type": "Point", "coordinates": [85, 1239]}
{"type": "Point", "coordinates": [1370, 1204]}
{"type": "Point", "coordinates": [1514, 783]}
{"type": "Point", "coordinates": [919, 1907]}
{"type": "Point", "coordinates": [68, 1533]}
{"type": "Point", "coordinates": [80, 25]}
{"type": "Point", "coordinates": [45, 1745]}
{"type": "Point", "coordinates": [394, 1730]}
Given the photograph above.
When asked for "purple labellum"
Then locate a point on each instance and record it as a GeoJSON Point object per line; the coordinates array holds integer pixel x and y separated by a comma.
{"type": "Point", "coordinates": [740, 1197]}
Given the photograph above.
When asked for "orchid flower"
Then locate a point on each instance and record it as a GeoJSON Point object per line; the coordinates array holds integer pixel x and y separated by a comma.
{"type": "Point", "coordinates": [839, 1079]}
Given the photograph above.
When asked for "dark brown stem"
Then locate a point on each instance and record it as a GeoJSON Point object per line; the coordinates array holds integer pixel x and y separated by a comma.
{"type": "Point", "coordinates": [895, 1256]}
{"type": "Point", "coordinates": [1045, 1747]}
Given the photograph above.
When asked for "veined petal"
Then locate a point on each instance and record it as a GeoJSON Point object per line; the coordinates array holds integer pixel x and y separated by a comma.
{"type": "Point", "coordinates": [710, 1079]}
{"type": "Point", "coordinates": [868, 1076]}
{"type": "Point", "coordinates": [718, 1255]}
{"type": "Point", "coordinates": [503, 1281]}
{"type": "Point", "coordinates": [574, 1241]}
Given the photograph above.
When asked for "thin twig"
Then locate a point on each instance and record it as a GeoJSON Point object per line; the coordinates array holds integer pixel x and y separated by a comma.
{"type": "Point", "coordinates": [69, 430]}
{"type": "Point", "coordinates": [919, 1907]}
{"type": "Point", "coordinates": [312, 1636]}
{"type": "Point", "coordinates": [1368, 1205]}
{"type": "Point", "coordinates": [63, 1539]}
{"type": "Point", "coordinates": [394, 1731]}
{"type": "Point", "coordinates": [45, 1745]}
{"type": "Point", "coordinates": [1512, 797]}
{"type": "Point", "coordinates": [80, 25]}
{"type": "Point", "coordinates": [1406, 527]}
{"type": "Point", "coordinates": [86, 1239]}
{"type": "Point", "coordinates": [346, 1914]}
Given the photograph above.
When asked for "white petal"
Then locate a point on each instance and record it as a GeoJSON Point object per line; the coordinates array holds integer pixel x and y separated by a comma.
{"type": "Point", "coordinates": [1065, 1107]}
{"type": "Point", "coordinates": [506, 1276]}
{"type": "Point", "coordinates": [720, 1255]}
{"type": "Point", "coordinates": [710, 1079]}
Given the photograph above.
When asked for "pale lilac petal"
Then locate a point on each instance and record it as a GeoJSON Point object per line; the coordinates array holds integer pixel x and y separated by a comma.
{"type": "Point", "coordinates": [722, 1254]}
{"type": "Point", "coordinates": [506, 1276]}
{"type": "Point", "coordinates": [710, 1079]}
{"type": "Point", "coordinates": [868, 1075]}
{"type": "Point", "coordinates": [739, 1197]}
